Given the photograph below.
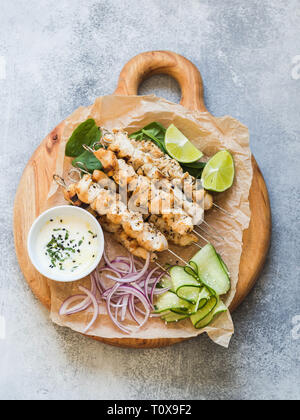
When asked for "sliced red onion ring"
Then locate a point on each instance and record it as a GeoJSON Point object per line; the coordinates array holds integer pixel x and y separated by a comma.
{"type": "Point", "coordinates": [113, 270]}
{"type": "Point", "coordinates": [96, 307]}
{"type": "Point", "coordinates": [112, 264]}
{"type": "Point", "coordinates": [142, 298]}
{"type": "Point", "coordinates": [146, 284]}
{"type": "Point", "coordinates": [154, 286]}
{"type": "Point", "coordinates": [84, 304]}
{"type": "Point", "coordinates": [124, 309]}
{"type": "Point", "coordinates": [114, 319]}
{"type": "Point", "coordinates": [135, 284]}
{"type": "Point", "coordinates": [138, 275]}
{"type": "Point", "coordinates": [131, 309]}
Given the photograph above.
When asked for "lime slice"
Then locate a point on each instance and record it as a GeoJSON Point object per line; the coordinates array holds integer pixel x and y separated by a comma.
{"type": "Point", "coordinates": [179, 147]}
{"type": "Point", "coordinates": [218, 174]}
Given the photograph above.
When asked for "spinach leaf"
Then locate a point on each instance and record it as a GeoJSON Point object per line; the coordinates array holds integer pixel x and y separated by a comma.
{"type": "Point", "coordinates": [154, 132]}
{"type": "Point", "coordinates": [194, 169]}
{"type": "Point", "coordinates": [88, 161]}
{"type": "Point", "coordinates": [86, 133]}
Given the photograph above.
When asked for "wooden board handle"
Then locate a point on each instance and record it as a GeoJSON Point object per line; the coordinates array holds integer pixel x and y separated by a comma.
{"type": "Point", "coordinates": [184, 71]}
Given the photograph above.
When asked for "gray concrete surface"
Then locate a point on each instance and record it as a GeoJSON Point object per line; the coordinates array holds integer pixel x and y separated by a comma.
{"type": "Point", "coordinates": [57, 55]}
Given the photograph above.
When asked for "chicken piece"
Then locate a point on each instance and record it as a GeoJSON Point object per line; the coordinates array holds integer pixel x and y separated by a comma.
{"type": "Point", "coordinates": [133, 246]}
{"type": "Point", "coordinates": [83, 190]}
{"type": "Point", "coordinates": [108, 160]}
{"type": "Point", "coordinates": [104, 181]}
{"type": "Point", "coordinates": [129, 243]}
{"type": "Point", "coordinates": [71, 196]}
{"type": "Point", "coordinates": [108, 226]}
{"type": "Point", "coordinates": [181, 240]}
{"type": "Point", "coordinates": [124, 174]}
{"type": "Point", "coordinates": [150, 171]}
{"type": "Point", "coordinates": [208, 201]}
{"type": "Point", "coordinates": [99, 176]}
{"type": "Point", "coordinates": [180, 223]}
{"type": "Point", "coordinates": [149, 238]}
{"type": "Point", "coordinates": [147, 146]}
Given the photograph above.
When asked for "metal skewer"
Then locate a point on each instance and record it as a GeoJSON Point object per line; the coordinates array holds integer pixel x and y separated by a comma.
{"type": "Point", "coordinates": [215, 235]}
{"type": "Point", "coordinates": [199, 246]}
{"type": "Point", "coordinates": [200, 236]}
{"type": "Point", "coordinates": [213, 229]}
{"type": "Point", "coordinates": [177, 256]}
{"type": "Point", "coordinates": [209, 234]}
{"type": "Point", "coordinates": [223, 210]}
{"type": "Point", "coordinates": [88, 148]}
{"type": "Point", "coordinates": [79, 169]}
{"type": "Point", "coordinates": [161, 267]}
{"type": "Point", "coordinates": [60, 181]}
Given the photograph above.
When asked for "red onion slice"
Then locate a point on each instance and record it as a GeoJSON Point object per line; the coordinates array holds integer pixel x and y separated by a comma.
{"type": "Point", "coordinates": [75, 309]}
{"type": "Point", "coordinates": [131, 309]}
{"type": "Point", "coordinates": [114, 319]}
{"type": "Point", "coordinates": [137, 276]}
{"type": "Point", "coordinates": [96, 307]}
{"type": "Point", "coordinates": [134, 284]}
{"type": "Point", "coordinates": [142, 298]}
{"type": "Point", "coordinates": [154, 286]}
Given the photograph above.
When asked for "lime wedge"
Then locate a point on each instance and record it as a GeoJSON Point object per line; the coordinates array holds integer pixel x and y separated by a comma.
{"type": "Point", "coordinates": [218, 174]}
{"type": "Point", "coordinates": [179, 147]}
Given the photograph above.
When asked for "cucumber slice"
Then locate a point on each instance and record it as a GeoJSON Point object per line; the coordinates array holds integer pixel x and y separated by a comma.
{"type": "Point", "coordinates": [185, 286]}
{"type": "Point", "coordinates": [223, 264]}
{"type": "Point", "coordinates": [166, 283]}
{"type": "Point", "coordinates": [203, 298]}
{"type": "Point", "coordinates": [194, 268]}
{"type": "Point", "coordinates": [169, 301]}
{"type": "Point", "coordinates": [204, 312]}
{"type": "Point", "coordinates": [210, 317]}
{"type": "Point", "coordinates": [172, 317]}
{"type": "Point", "coordinates": [211, 270]}
{"type": "Point", "coordinates": [191, 270]}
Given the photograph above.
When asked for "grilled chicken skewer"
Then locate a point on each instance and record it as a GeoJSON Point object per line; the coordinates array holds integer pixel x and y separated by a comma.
{"type": "Point", "coordinates": [112, 165]}
{"type": "Point", "coordinates": [178, 239]}
{"type": "Point", "coordinates": [147, 159]}
{"type": "Point", "coordinates": [147, 196]}
{"type": "Point", "coordinates": [120, 235]}
{"type": "Point", "coordinates": [157, 220]}
{"type": "Point", "coordinates": [141, 153]}
{"type": "Point", "coordinates": [107, 203]}
{"type": "Point", "coordinates": [181, 239]}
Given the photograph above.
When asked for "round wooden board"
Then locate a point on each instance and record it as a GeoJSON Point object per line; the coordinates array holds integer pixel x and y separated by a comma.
{"type": "Point", "coordinates": [37, 177]}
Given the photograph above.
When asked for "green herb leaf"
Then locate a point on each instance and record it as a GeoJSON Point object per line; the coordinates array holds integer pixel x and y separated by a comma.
{"type": "Point", "coordinates": [88, 162]}
{"type": "Point", "coordinates": [86, 133]}
{"type": "Point", "coordinates": [194, 169]}
{"type": "Point", "coordinates": [154, 132]}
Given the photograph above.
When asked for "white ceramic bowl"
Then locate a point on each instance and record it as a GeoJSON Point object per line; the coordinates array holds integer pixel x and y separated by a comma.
{"type": "Point", "coordinates": [62, 211]}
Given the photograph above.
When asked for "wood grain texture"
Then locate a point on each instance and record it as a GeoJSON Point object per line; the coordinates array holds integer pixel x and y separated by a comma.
{"type": "Point", "coordinates": [38, 174]}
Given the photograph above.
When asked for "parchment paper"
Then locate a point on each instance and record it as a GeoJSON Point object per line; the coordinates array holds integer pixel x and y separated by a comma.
{"type": "Point", "coordinates": [210, 135]}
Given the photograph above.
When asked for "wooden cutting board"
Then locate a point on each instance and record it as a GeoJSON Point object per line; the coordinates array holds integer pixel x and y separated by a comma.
{"type": "Point", "coordinates": [37, 177]}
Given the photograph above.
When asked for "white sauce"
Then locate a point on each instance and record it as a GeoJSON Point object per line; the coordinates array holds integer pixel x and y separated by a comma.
{"type": "Point", "coordinates": [67, 245]}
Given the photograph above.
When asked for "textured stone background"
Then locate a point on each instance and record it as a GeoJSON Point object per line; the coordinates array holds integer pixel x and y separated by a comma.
{"type": "Point", "coordinates": [60, 55]}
